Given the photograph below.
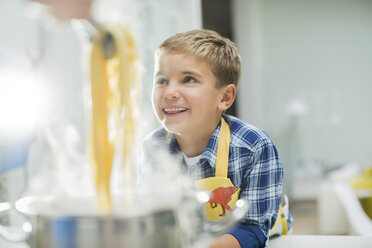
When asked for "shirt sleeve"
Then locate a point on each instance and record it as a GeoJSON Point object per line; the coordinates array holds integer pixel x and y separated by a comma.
{"type": "Point", "coordinates": [262, 186]}
{"type": "Point", "coordinates": [249, 236]}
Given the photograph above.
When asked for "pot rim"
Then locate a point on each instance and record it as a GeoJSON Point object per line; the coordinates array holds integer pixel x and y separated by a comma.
{"type": "Point", "coordinates": [25, 206]}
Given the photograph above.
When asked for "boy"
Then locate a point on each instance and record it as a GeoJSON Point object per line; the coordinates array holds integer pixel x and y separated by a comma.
{"type": "Point", "coordinates": [196, 78]}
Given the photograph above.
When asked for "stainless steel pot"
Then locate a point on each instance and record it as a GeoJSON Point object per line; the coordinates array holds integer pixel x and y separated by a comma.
{"type": "Point", "coordinates": [160, 229]}
{"type": "Point", "coordinates": [183, 226]}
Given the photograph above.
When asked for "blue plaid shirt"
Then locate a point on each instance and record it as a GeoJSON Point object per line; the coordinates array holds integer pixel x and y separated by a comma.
{"type": "Point", "coordinates": [254, 166]}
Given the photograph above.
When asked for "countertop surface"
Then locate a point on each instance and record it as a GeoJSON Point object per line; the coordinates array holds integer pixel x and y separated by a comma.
{"type": "Point", "coordinates": [287, 241]}
{"type": "Point", "coordinates": [320, 241]}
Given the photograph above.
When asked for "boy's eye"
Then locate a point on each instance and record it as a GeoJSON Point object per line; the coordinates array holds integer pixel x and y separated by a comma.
{"type": "Point", "coordinates": [189, 79]}
{"type": "Point", "coordinates": [161, 81]}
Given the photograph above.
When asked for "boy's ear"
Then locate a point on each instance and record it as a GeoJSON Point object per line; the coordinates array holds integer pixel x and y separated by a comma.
{"type": "Point", "coordinates": [228, 94]}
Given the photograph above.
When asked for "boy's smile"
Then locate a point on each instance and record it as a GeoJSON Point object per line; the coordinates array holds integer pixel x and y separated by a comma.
{"type": "Point", "coordinates": [173, 110]}
{"type": "Point", "coordinates": [185, 97]}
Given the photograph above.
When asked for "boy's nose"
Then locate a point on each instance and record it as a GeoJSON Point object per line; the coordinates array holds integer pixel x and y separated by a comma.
{"type": "Point", "coordinates": [172, 91]}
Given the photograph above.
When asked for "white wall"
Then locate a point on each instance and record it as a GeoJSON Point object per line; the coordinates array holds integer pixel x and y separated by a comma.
{"type": "Point", "coordinates": [307, 78]}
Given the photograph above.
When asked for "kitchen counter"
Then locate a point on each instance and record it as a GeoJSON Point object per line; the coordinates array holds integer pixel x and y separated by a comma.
{"type": "Point", "coordinates": [320, 241]}
{"type": "Point", "coordinates": [286, 241]}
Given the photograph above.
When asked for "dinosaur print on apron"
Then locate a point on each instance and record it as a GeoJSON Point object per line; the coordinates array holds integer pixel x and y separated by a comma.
{"type": "Point", "coordinates": [223, 193]}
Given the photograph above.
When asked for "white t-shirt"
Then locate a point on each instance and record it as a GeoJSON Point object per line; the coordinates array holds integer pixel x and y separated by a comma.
{"type": "Point", "coordinates": [190, 161]}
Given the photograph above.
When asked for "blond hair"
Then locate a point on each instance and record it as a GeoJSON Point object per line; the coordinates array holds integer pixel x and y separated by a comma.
{"type": "Point", "coordinates": [220, 53]}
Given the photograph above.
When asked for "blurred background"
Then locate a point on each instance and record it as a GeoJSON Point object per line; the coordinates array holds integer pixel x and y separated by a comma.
{"type": "Point", "coordinates": [306, 80]}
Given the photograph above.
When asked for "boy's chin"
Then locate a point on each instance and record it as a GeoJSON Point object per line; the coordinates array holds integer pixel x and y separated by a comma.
{"type": "Point", "coordinates": [173, 130]}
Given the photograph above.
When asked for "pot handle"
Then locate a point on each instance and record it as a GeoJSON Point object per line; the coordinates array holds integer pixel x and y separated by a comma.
{"type": "Point", "coordinates": [11, 233]}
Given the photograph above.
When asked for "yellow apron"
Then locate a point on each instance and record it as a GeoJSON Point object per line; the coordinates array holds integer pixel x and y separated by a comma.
{"type": "Point", "coordinates": [280, 226]}
{"type": "Point", "coordinates": [223, 193]}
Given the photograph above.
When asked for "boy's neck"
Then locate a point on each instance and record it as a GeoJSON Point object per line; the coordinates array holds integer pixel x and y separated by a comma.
{"type": "Point", "coordinates": [194, 144]}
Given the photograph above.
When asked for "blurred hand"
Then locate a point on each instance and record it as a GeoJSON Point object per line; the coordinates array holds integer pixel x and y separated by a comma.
{"type": "Point", "coordinates": [65, 10]}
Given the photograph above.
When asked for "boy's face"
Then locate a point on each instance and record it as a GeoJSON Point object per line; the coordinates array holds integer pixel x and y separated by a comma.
{"type": "Point", "coordinates": [184, 95]}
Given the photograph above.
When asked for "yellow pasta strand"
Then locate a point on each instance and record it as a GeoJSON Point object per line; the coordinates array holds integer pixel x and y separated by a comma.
{"type": "Point", "coordinates": [115, 84]}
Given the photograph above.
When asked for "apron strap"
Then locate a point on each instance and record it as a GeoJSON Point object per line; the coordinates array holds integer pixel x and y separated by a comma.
{"type": "Point", "coordinates": [222, 159]}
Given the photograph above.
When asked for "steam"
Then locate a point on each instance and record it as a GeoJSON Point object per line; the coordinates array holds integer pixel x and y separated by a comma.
{"type": "Point", "coordinates": [59, 170]}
